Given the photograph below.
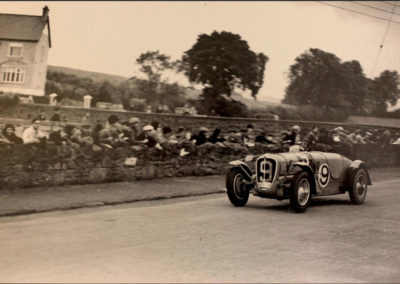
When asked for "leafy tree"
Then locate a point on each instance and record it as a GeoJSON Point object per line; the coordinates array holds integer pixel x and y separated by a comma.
{"type": "Point", "coordinates": [154, 63]}
{"type": "Point", "coordinates": [384, 90]}
{"type": "Point", "coordinates": [107, 93]}
{"type": "Point", "coordinates": [223, 61]}
{"type": "Point", "coordinates": [319, 78]}
{"type": "Point", "coordinates": [155, 90]}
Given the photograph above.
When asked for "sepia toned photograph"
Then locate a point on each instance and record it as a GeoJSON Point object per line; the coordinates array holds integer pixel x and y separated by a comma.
{"type": "Point", "coordinates": [199, 141]}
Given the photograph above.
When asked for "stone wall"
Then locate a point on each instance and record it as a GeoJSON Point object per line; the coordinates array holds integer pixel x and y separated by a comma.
{"type": "Point", "coordinates": [47, 164]}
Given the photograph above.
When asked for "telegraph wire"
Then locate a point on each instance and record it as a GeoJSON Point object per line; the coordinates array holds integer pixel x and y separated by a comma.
{"type": "Point", "coordinates": [383, 41]}
{"type": "Point", "coordinates": [358, 12]}
{"type": "Point", "coordinates": [372, 7]}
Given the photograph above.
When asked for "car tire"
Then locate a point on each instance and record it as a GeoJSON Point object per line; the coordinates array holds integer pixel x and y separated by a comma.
{"type": "Point", "coordinates": [301, 191]}
{"type": "Point", "coordinates": [237, 190]}
{"type": "Point", "coordinates": [358, 189]}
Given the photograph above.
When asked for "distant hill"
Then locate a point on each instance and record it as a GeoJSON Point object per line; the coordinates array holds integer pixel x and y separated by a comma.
{"type": "Point", "coordinates": [190, 93]}
{"type": "Point", "coordinates": [95, 76]}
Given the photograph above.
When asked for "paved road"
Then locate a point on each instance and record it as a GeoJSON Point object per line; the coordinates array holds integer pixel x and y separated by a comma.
{"type": "Point", "coordinates": [205, 239]}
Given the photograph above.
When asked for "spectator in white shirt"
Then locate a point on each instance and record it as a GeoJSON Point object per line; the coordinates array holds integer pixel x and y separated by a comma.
{"type": "Point", "coordinates": [33, 134]}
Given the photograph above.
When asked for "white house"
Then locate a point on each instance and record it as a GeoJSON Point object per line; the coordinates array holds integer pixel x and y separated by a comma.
{"type": "Point", "coordinates": [24, 44]}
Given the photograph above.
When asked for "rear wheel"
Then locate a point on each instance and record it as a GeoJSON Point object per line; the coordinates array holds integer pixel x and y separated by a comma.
{"type": "Point", "coordinates": [300, 193]}
{"type": "Point", "coordinates": [236, 186]}
{"type": "Point", "coordinates": [358, 190]}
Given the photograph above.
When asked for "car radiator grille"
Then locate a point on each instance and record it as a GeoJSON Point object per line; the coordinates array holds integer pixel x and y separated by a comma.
{"type": "Point", "coordinates": [265, 169]}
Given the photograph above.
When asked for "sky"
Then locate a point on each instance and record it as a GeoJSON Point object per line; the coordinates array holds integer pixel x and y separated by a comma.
{"type": "Point", "coordinates": [108, 37]}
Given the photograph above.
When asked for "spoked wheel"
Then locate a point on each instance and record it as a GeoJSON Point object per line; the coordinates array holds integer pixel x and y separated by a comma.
{"type": "Point", "coordinates": [236, 186]}
{"type": "Point", "coordinates": [300, 194]}
{"type": "Point", "coordinates": [358, 191]}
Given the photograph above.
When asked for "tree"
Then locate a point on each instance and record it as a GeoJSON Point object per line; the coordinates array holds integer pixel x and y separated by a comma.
{"type": "Point", "coordinates": [107, 93]}
{"type": "Point", "coordinates": [155, 90]}
{"type": "Point", "coordinates": [319, 78]}
{"type": "Point", "coordinates": [223, 61]}
{"type": "Point", "coordinates": [384, 90]}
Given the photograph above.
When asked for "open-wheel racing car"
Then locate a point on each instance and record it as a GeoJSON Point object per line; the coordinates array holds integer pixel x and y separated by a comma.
{"type": "Point", "coordinates": [297, 176]}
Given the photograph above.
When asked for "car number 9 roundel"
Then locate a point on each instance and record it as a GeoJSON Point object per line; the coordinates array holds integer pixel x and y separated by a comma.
{"type": "Point", "coordinates": [323, 175]}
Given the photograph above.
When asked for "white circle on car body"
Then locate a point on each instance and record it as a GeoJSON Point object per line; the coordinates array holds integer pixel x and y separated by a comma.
{"type": "Point", "coordinates": [323, 175]}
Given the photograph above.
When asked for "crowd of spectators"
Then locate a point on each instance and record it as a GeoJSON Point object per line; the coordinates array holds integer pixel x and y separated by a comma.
{"type": "Point", "coordinates": [137, 135]}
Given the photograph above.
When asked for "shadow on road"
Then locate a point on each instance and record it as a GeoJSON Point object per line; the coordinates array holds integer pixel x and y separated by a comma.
{"type": "Point", "coordinates": [285, 205]}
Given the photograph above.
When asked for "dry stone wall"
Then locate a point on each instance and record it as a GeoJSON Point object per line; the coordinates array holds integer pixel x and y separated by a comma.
{"type": "Point", "coordinates": [47, 164]}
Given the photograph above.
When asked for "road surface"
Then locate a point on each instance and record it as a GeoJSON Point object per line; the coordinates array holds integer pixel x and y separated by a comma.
{"type": "Point", "coordinates": [206, 239]}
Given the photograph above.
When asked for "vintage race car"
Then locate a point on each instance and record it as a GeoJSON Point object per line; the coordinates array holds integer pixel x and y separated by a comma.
{"type": "Point", "coordinates": [297, 176]}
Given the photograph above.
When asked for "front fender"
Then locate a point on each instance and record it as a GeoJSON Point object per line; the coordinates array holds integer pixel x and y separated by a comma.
{"type": "Point", "coordinates": [306, 167]}
{"type": "Point", "coordinates": [244, 168]}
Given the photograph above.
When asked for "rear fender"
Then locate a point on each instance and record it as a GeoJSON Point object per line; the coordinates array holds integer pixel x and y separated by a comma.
{"type": "Point", "coordinates": [353, 168]}
{"type": "Point", "coordinates": [305, 167]}
{"type": "Point", "coordinates": [244, 168]}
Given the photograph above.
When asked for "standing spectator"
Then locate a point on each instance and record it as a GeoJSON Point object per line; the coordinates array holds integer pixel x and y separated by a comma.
{"type": "Point", "coordinates": [33, 134]}
{"type": "Point", "coordinates": [56, 116]}
{"type": "Point", "coordinates": [8, 133]}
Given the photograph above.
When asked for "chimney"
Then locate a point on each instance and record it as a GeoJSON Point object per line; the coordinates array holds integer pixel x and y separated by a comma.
{"type": "Point", "coordinates": [45, 14]}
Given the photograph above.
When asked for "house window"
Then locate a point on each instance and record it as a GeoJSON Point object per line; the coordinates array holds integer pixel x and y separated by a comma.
{"type": "Point", "coordinates": [15, 50]}
{"type": "Point", "coordinates": [13, 75]}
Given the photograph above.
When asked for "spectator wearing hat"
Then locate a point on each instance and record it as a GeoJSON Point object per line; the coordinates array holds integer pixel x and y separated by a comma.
{"type": "Point", "coordinates": [149, 137]}
{"type": "Point", "coordinates": [368, 138]}
{"type": "Point", "coordinates": [33, 134]}
{"type": "Point", "coordinates": [8, 133]}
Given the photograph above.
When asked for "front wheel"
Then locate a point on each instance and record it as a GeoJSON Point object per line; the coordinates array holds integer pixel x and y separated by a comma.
{"type": "Point", "coordinates": [300, 193]}
{"type": "Point", "coordinates": [236, 187]}
{"type": "Point", "coordinates": [358, 190]}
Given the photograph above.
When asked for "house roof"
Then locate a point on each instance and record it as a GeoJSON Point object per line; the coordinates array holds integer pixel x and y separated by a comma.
{"type": "Point", "coordinates": [22, 27]}
{"type": "Point", "coordinates": [374, 121]}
